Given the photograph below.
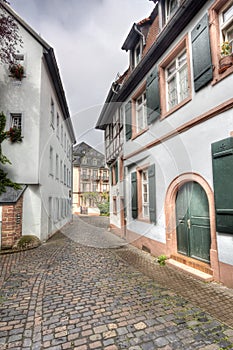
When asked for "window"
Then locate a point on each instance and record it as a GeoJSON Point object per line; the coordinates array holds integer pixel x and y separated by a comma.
{"type": "Point", "coordinates": [61, 170]}
{"type": "Point", "coordinates": [94, 187]}
{"type": "Point", "coordinates": [114, 206]}
{"type": "Point", "coordinates": [16, 120]}
{"type": "Point", "coordinates": [226, 23]}
{"type": "Point", "coordinates": [105, 187]}
{"type": "Point", "coordinates": [145, 194]}
{"type": "Point", "coordinates": [51, 161]}
{"type": "Point", "coordinates": [141, 113]}
{"type": "Point", "coordinates": [221, 14]}
{"type": "Point", "coordinates": [64, 178]}
{"type": "Point", "coordinates": [58, 125]}
{"type": "Point", "coordinates": [94, 161]}
{"type": "Point", "coordinates": [175, 78]}
{"type": "Point", "coordinates": [84, 160]}
{"type": "Point", "coordinates": [105, 175]}
{"type": "Point", "coordinates": [52, 108]}
{"type": "Point", "coordinates": [65, 143]}
{"type": "Point", "coordinates": [57, 167]}
{"type": "Point", "coordinates": [137, 54]}
{"type": "Point", "coordinates": [171, 7]}
{"type": "Point", "coordinates": [62, 135]}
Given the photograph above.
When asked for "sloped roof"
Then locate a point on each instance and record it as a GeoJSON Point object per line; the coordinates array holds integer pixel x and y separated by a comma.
{"type": "Point", "coordinates": [52, 66]}
{"type": "Point", "coordinates": [84, 150]}
{"type": "Point", "coordinates": [11, 195]}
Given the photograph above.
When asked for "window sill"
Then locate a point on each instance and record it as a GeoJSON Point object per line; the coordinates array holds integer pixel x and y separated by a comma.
{"type": "Point", "coordinates": [220, 76]}
{"type": "Point", "coordinates": [135, 135]}
{"type": "Point", "coordinates": [147, 221]}
{"type": "Point", "coordinates": [176, 108]}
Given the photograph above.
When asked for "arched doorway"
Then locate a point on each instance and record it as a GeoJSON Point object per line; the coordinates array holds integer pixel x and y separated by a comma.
{"type": "Point", "coordinates": [193, 222]}
{"type": "Point", "coordinates": [171, 219]}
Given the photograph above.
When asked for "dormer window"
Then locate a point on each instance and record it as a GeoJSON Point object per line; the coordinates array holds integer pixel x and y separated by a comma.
{"type": "Point", "coordinates": [137, 54]}
{"type": "Point", "coordinates": [171, 7]}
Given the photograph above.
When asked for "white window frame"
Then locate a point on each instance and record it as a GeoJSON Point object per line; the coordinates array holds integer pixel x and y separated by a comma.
{"type": "Point", "coordinates": [170, 13]}
{"type": "Point", "coordinates": [137, 57]}
{"type": "Point", "coordinates": [226, 26]}
{"type": "Point", "coordinates": [58, 125]}
{"type": "Point", "coordinates": [16, 120]}
{"type": "Point", "coordinates": [52, 113]}
{"type": "Point", "coordinates": [51, 161]}
{"type": "Point", "coordinates": [145, 201]}
{"type": "Point", "coordinates": [176, 74]}
{"type": "Point", "coordinates": [57, 167]}
{"type": "Point", "coordinates": [141, 112]}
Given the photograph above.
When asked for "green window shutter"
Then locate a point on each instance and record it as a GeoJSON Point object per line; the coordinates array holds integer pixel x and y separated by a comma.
{"type": "Point", "coordinates": [152, 193]}
{"type": "Point", "coordinates": [128, 121]}
{"type": "Point", "coordinates": [116, 171]}
{"type": "Point", "coordinates": [134, 195]}
{"type": "Point", "coordinates": [202, 63]}
{"type": "Point", "coordinates": [152, 97]}
{"type": "Point", "coordinates": [222, 157]}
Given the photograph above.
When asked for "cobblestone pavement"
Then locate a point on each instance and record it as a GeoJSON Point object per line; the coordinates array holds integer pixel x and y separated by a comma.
{"type": "Point", "coordinates": [85, 289]}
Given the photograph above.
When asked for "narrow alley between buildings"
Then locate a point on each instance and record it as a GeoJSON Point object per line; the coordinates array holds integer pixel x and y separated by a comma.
{"type": "Point", "coordinates": [87, 289]}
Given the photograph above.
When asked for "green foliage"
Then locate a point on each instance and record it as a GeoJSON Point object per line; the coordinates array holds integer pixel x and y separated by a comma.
{"type": "Point", "coordinates": [104, 208]}
{"type": "Point", "coordinates": [27, 242]}
{"type": "Point", "coordinates": [101, 200]}
{"type": "Point", "coordinates": [4, 180]}
{"type": "Point", "coordinates": [15, 134]}
{"type": "Point", "coordinates": [225, 48]}
{"type": "Point", "coordinates": [162, 260]}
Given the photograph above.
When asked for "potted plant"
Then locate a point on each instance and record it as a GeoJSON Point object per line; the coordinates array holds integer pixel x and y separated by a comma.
{"type": "Point", "coordinates": [17, 71]}
{"type": "Point", "coordinates": [15, 134]}
{"type": "Point", "coordinates": [226, 59]}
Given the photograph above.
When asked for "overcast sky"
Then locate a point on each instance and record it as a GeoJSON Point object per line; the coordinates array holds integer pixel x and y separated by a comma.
{"type": "Point", "coordinates": [87, 36]}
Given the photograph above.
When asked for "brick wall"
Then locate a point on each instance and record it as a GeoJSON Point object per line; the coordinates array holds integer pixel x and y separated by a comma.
{"type": "Point", "coordinates": [152, 35]}
{"type": "Point", "coordinates": [11, 223]}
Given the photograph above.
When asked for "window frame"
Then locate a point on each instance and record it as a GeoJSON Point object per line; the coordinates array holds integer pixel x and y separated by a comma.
{"type": "Point", "coordinates": [141, 91]}
{"type": "Point", "coordinates": [169, 14]}
{"type": "Point", "coordinates": [182, 46]}
{"type": "Point", "coordinates": [51, 161]}
{"type": "Point", "coordinates": [137, 58]}
{"type": "Point", "coordinates": [17, 116]}
{"type": "Point", "coordinates": [140, 183]}
{"type": "Point", "coordinates": [52, 113]}
{"type": "Point", "coordinates": [215, 39]}
{"type": "Point", "coordinates": [114, 205]}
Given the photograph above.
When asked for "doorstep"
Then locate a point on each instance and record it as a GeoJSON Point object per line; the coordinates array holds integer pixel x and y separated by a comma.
{"type": "Point", "coordinates": [205, 277]}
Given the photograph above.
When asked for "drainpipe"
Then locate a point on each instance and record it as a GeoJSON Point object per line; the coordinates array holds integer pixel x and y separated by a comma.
{"type": "Point", "coordinates": [140, 33]}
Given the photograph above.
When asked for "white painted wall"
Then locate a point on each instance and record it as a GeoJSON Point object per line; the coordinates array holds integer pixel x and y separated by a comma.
{"type": "Point", "coordinates": [187, 152]}
{"type": "Point", "coordinates": [30, 159]}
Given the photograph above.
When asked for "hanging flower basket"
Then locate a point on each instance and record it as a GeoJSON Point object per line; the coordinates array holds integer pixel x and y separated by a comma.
{"type": "Point", "coordinates": [17, 71]}
{"type": "Point", "coordinates": [14, 135]}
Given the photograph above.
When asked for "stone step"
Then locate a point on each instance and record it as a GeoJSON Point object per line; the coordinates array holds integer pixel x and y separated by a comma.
{"type": "Point", "coordinates": [205, 277]}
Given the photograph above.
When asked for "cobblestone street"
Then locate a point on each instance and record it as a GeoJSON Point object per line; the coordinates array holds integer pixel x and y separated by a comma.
{"type": "Point", "coordinates": [86, 289]}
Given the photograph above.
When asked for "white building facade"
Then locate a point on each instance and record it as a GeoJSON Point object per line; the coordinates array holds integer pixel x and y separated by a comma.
{"type": "Point", "coordinates": [43, 160]}
{"type": "Point", "coordinates": [176, 103]}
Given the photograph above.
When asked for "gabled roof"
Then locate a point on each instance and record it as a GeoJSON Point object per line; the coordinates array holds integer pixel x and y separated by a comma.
{"type": "Point", "coordinates": [83, 149]}
{"type": "Point", "coordinates": [170, 32]}
{"type": "Point", "coordinates": [52, 67]}
{"type": "Point", "coordinates": [133, 35]}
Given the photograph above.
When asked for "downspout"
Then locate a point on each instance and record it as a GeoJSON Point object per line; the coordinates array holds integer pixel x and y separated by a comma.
{"type": "Point", "coordinates": [140, 33]}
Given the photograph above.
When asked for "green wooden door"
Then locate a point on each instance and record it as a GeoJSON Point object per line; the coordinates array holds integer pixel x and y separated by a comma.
{"type": "Point", "coordinates": [193, 223]}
